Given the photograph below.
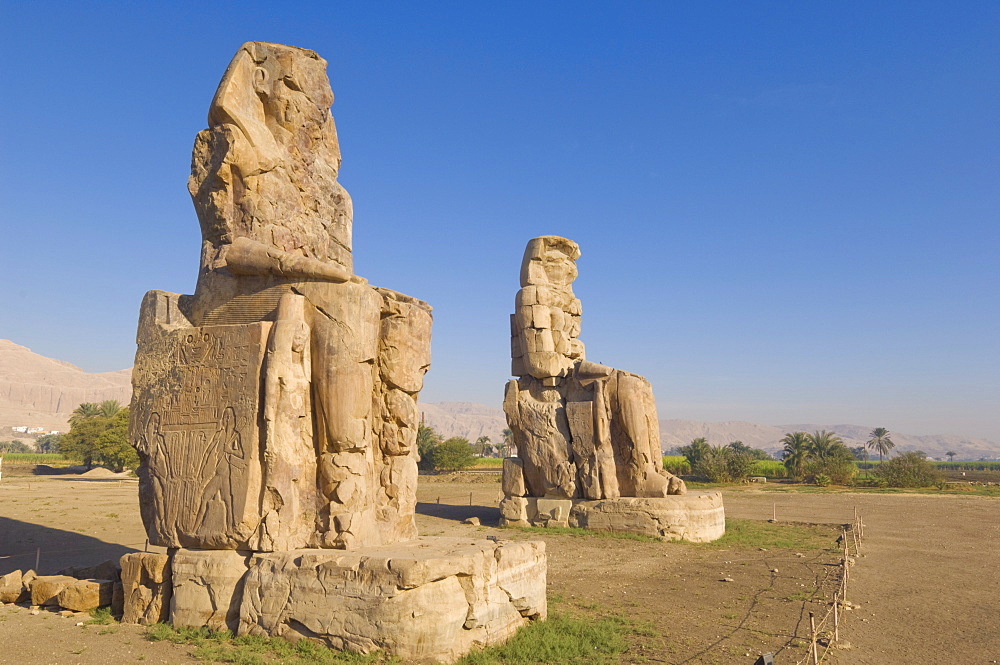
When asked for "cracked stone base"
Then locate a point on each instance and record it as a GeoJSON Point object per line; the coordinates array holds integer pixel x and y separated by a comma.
{"type": "Point", "coordinates": [698, 518]}
{"type": "Point", "coordinates": [431, 599]}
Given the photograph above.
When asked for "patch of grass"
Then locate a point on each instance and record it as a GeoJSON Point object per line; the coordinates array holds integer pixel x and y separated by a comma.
{"type": "Point", "coordinates": [100, 617]}
{"type": "Point", "coordinates": [582, 533]}
{"type": "Point", "coordinates": [564, 638]}
{"type": "Point", "coordinates": [487, 463]}
{"type": "Point", "coordinates": [221, 647]}
{"type": "Point", "coordinates": [751, 533]}
{"type": "Point", "coordinates": [112, 515]}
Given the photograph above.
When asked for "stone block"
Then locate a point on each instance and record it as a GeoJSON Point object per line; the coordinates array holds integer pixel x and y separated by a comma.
{"type": "Point", "coordinates": [546, 511]}
{"type": "Point", "coordinates": [146, 588]}
{"type": "Point", "coordinates": [11, 587]}
{"type": "Point", "coordinates": [207, 587]}
{"type": "Point", "coordinates": [45, 588]}
{"type": "Point", "coordinates": [512, 477]}
{"type": "Point", "coordinates": [698, 518]}
{"type": "Point", "coordinates": [514, 511]}
{"type": "Point", "coordinates": [86, 595]}
{"type": "Point", "coordinates": [106, 570]}
{"type": "Point", "coordinates": [432, 599]}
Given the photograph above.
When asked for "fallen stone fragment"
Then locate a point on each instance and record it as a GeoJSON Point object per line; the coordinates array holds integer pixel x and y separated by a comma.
{"type": "Point", "coordinates": [45, 588]}
{"type": "Point", "coordinates": [474, 521]}
{"type": "Point", "coordinates": [12, 587]}
{"type": "Point", "coordinates": [87, 595]}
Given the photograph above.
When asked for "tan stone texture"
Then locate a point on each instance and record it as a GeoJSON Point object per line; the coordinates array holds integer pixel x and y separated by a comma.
{"type": "Point", "coordinates": [11, 587]}
{"type": "Point", "coordinates": [512, 477]}
{"type": "Point", "coordinates": [275, 410]}
{"type": "Point", "coordinates": [207, 588]}
{"type": "Point", "coordinates": [582, 430]}
{"type": "Point", "coordinates": [281, 343]}
{"type": "Point", "coordinates": [698, 518]}
{"type": "Point", "coordinates": [86, 595]}
{"type": "Point", "coordinates": [146, 587]}
{"type": "Point", "coordinates": [429, 599]}
{"type": "Point", "coordinates": [45, 588]}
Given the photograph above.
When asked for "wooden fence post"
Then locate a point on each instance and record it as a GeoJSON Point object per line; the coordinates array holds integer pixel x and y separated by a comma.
{"type": "Point", "coordinates": [836, 618]}
{"type": "Point", "coordinates": [812, 630]}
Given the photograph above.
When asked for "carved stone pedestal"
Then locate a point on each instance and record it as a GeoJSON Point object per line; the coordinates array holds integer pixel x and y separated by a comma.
{"type": "Point", "coordinates": [426, 599]}
{"type": "Point", "coordinates": [698, 518]}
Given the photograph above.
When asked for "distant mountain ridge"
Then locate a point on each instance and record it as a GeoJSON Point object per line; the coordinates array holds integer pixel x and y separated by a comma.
{"type": "Point", "coordinates": [40, 391]}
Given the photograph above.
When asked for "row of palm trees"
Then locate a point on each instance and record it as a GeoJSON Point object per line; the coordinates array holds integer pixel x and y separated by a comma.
{"type": "Point", "coordinates": [106, 409]}
{"type": "Point", "coordinates": [825, 448]}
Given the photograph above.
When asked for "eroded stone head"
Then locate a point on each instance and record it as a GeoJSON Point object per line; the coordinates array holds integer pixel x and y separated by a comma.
{"type": "Point", "coordinates": [549, 260]}
{"type": "Point", "coordinates": [266, 168]}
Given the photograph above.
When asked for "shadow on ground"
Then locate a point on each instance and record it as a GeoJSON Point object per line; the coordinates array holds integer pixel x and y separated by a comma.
{"type": "Point", "coordinates": [488, 515]}
{"type": "Point", "coordinates": [20, 543]}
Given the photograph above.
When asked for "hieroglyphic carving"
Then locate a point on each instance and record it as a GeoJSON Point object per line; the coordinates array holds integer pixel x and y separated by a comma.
{"type": "Point", "coordinates": [198, 435]}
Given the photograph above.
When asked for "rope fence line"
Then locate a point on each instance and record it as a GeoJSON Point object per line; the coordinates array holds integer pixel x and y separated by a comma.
{"type": "Point", "coordinates": [833, 614]}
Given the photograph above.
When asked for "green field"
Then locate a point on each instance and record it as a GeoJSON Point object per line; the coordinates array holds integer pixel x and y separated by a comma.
{"type": "Point", "coordinates": [34, 458]}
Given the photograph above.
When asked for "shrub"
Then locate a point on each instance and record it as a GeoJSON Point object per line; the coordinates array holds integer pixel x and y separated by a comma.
{"type": "Point", "coordinates": [837, 470]}
{"type": "Point", "coordinates": [720, 464]}
{"type": "Point", "coordinates": [454, 454]}
{"type": "Point", "coordinates": [908, 470]}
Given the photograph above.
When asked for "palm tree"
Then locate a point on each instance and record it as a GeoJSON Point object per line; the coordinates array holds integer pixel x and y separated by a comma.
{"type": "Point", "coordinates": [881, 442]}
{"type": "Point", "coordinates": [796, 452]}
{"type": "Point", "coordinates": [697, 451]}
{"type": "Point", "coordinates": [85, 411]}
{"type": "Point", "coordinates": [823, 445]}
{"type": "Point", "coordinates": [509, 449]}
{"type": "Point", "coordinates": [950, 455]}
{"type": "Point", "coordinates": [481, 444]}
{"type": "Point", "coordinates": [110, 407]}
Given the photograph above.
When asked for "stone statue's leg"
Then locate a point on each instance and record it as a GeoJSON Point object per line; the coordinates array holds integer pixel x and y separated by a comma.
{"type": "Point", "coordinates": [344, 326]}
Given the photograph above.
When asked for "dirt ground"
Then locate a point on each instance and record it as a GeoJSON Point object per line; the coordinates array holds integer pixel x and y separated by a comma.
{"type": "Point", "coordinates": [927, 583]}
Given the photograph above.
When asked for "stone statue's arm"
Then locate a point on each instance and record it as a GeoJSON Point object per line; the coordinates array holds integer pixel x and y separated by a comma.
{"type": "Point", "coordinates": [249, 257]}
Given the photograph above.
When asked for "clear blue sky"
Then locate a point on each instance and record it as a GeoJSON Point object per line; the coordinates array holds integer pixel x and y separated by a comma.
{"type": "Point", "coordinates": [789, 212]}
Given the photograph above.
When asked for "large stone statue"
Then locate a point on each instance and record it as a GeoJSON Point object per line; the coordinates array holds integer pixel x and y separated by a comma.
{"type": "Point", "coordinates": [583, 431]}
{"type": "Point", "coordinates": [275, 409]}
{"type": "Point", "coordinates": [313, 445]}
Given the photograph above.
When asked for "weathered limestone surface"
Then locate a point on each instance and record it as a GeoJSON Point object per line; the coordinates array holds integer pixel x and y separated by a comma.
{"type": "Point", "coordinates": [11, 587]}
{"type": "Point", "coordinates": [85, 595]}
{"type": "Point", "coordinates": [275, 410]}
{"type": "Point", "coordinates": [45, 588]}
{"type": "Point", "coordinates": [583, 431]}
{"type": "Point", "coordinates": [696, 518]}
{"type": "Point", "coordinates": [146, 587]}
{"type": "Point", "coordinates": [207, 588]}
{"type": "Point", "coordinates": [432, 598]}
{"type": "Point", "coordinates": [276, 407]}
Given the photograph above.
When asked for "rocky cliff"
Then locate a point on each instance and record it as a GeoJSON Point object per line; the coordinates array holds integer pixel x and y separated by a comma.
{"type": "Point", "coordinates": [42, 392]}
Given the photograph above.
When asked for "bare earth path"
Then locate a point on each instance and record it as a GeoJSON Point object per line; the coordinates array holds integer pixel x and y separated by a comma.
{"type": "Point", "coordinates": [928, 583]}
{"type": "Point", "coordinates": [929, 580]}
